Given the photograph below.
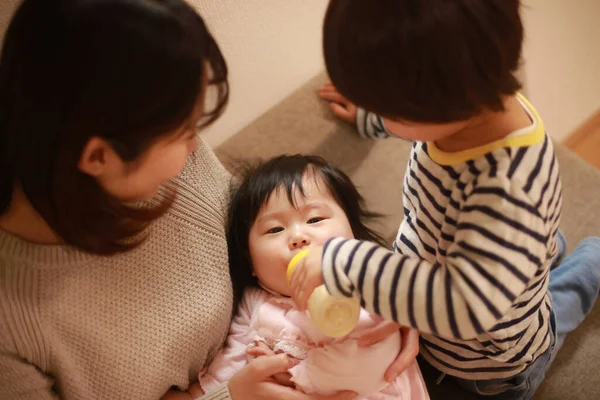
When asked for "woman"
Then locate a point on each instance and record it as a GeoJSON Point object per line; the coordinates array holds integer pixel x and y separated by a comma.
{"type": "Point", "coordinates": [113, 275]}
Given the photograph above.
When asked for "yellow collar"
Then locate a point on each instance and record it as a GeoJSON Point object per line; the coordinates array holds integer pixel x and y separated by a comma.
{"type": "Point", "coordinates": [524, 137]}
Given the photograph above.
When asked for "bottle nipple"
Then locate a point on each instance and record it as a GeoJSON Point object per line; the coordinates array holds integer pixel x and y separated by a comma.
{"type": "Point", "coordinates": [294, 261]}
{"type": "Point", "coordinates": [333, 316]}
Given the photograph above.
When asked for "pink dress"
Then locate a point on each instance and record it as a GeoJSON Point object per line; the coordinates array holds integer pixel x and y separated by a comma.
{"type": "Point", "coordinates": [327, 365]}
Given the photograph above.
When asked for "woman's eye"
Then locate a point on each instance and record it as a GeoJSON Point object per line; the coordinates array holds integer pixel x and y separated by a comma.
{"type": "Point", "coordinates": [275, 230]}
{"type": "Point", "coordinates": [315, 220]}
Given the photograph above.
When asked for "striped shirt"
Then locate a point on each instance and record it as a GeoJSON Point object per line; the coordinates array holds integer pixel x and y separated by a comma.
{"type": "Point", "coordinates": [471, 260]}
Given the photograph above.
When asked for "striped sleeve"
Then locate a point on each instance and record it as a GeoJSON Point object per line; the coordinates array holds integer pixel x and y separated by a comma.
{"type": "Point", "coordinates": [370, 125]}
{"type": "Point", "coordinates": [498, 245]}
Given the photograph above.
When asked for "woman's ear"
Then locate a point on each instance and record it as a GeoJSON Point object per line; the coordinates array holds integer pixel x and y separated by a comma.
{"type": "Point", "coordinates": [97, 157]}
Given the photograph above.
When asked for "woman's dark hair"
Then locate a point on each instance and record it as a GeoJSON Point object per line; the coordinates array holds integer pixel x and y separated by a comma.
{"type": "Point", "coordinates": [286, 173]}
{"type": "Point", "coordinates": [129, 72]}
{"type": "Point", "coordinates": [428, 61]}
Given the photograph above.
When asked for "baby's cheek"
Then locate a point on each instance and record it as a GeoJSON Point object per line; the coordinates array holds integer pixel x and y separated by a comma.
{"type": "Point", "coordinates": [320, 241]}
{"type": "Point", "coordinates": [345, 233]}
{"type": "Point", "coordinates": [336, 231]}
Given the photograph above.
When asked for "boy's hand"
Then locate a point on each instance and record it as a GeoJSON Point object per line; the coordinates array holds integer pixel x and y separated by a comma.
{"type": "Point", "coordinates": [307, 276]}
{"type": "Point", "coordinates": [340, 106]}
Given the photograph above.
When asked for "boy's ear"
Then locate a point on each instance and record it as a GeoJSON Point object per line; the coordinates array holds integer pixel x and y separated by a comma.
{"type": "Point", "coordinates": [96, 156]}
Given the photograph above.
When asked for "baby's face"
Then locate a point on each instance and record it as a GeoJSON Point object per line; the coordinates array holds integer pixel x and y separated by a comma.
{"type": "Point", "coordinates": [282, 230]}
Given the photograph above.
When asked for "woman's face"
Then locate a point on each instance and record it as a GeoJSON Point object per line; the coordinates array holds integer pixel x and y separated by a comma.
{"type": "Point", "coordinates": [161, 162]}
{"type": "Point", "coordinates": [140, 179]}
{"type": "Point", "coordinates": [281, 230]}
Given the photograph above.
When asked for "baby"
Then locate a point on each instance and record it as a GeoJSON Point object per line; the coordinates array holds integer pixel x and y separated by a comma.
{"type": "Point", "coordinates": [288, 204]}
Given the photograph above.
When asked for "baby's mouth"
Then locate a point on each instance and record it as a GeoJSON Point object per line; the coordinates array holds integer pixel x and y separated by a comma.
{"type": "Point", "coordinates": [304, 250]}
{"type": "Point", "coordinates": [297, 251]}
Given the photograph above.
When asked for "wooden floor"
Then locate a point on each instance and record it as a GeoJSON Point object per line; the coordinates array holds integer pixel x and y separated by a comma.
{"type": "Point", "coordinates": [585, 141]}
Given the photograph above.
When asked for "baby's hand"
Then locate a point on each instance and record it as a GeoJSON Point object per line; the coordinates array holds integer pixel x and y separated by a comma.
{"type": "Point", "coordinates": [340, 106]}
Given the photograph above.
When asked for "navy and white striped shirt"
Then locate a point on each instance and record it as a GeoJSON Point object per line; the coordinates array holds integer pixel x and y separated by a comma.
{"type": "Point", "coordinates": [472, 256]}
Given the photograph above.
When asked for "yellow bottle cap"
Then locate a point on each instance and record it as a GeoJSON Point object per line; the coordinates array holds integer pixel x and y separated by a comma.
{"type": "Point", "coordinates": [294, 261]}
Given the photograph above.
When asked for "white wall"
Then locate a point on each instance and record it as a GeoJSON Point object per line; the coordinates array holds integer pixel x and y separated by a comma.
{"type": "Point", "coordinates": [6, 9]}
{"type": "Point", "coordinates": [562, 61]}
{"type": "Point", "coordinates": [271, 47]}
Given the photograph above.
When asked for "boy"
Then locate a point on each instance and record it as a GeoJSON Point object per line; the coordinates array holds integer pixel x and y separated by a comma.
{"type": "Point", "coordinates": [482, 192]}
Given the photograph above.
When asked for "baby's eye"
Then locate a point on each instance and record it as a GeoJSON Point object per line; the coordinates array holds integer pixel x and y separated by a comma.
{"type": "Point", "coordinates": [275, 230]}
{"type": "Point", "coordinates": [315, 220]}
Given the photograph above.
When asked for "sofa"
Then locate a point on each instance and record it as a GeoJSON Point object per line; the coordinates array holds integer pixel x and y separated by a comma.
{"type": "Point", "coordinates": [303, 123]}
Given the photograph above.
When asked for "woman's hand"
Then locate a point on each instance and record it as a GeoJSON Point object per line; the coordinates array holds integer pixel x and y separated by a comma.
{"type": "Point", "coordinates": [306, 277]}
{"type": "Point", "coordinates": [255, 382]}
{"type": "Point", "coordinates": [409, 349]}
{"type": "Point", "coordinates": [176, 395]}
{"type": "Point", "coordinates": [380, 332]}
{"type": "Point", "coordinates": [194, 391]}
{"type": "Point", "coordinates": [261, 349]}
{"type": "Point", "coordinates": [340, 106]}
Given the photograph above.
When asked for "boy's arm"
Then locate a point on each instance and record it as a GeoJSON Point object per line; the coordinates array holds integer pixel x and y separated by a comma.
{"type": "Point", "coordinates": [370, 125]}
{"type": "Point", "coordinates": [499, 245]}
{"type": "Point", "coordinates": [232, 357]}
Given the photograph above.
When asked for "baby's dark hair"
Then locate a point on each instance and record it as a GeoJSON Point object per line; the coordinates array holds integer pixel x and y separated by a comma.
{"type": "Point", "coordinates": [427, 61]}
{"type": "Point", "coordinates": [285, 173]}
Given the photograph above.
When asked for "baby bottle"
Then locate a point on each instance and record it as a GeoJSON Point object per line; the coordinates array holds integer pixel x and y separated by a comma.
{"type": "Point", "coordinates": [333, 316]}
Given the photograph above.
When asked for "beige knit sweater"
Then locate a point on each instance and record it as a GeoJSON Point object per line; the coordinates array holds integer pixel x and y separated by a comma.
{"type": "Point", "coordinates": [77, 326]}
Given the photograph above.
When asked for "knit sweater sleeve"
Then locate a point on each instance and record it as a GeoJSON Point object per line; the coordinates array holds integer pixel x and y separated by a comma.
{"type": "Point", "coordinates": [21, 380]}
{"type": "Point", "coordinates": [220, 393]}
{"type": "Point", "coordinates": [23, 351]}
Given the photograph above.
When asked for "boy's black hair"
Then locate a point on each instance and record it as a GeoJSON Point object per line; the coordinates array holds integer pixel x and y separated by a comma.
{"type": "Point", "coordinates": [426, 61]}
{"type": "Point", "coordinates": [285, 173]}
